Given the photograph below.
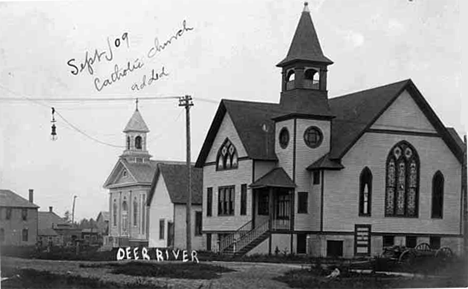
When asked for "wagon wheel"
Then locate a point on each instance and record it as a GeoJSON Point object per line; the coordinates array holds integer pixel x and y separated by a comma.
{"type": "Point", "coordinates": [444, 253]}
{"type": "Point", "coordinates": [407, 257]}
{"type": "Point", "coordinates": [423, 247]}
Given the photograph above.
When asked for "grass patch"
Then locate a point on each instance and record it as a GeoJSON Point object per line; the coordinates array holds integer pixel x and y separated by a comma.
{"type": "Point", "coordinates": [310, 279]}
{"type": "Point", "coordinates": [168, 270]}
{"type": "Point", "coordinates": [30, 278]}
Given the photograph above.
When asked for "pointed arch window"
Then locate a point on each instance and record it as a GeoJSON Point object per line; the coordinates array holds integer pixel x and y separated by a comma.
{"type": "Point", "coordinates": [138, 142]}
{"type": "Point", "coordinates": [365, 192]}
{"type": "Point", "coordinates": [227, 157]}
{"type": "Point", "coordinates": [135, 212]}
{"type": "Point", "coordinates": [402, 181]}
{"type": "Point", "coordinates": [437, 195]}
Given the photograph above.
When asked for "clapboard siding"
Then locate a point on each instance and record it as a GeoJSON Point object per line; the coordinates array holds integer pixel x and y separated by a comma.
{"type": "Point", "coordinates": [404, 114]}
{"type": "Point", "coordinates": [341, 198]}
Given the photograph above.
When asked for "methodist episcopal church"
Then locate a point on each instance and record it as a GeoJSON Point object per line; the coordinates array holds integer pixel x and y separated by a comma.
{"type": "Point", "coordinates": [342, 176]}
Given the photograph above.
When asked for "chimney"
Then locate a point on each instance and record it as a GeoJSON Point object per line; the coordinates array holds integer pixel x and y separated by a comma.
{"type": "Point", "coordinates": [31, 195]}
{"type": "Point", "coordinates": [50, 209]}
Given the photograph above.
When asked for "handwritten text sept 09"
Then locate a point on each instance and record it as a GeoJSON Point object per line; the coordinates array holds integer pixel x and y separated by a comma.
{"type": "Point", "coordinates": [120, 72]}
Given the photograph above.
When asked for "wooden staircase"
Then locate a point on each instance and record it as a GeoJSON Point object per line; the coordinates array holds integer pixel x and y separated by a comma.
{"type": "Point", "coordinates": [242, 241]}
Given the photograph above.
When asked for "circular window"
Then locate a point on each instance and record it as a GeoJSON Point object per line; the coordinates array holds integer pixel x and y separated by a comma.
{"type": "Point", "coordinates": [284, 137]}
{"type": "Point", "coordinates": [313, 136]}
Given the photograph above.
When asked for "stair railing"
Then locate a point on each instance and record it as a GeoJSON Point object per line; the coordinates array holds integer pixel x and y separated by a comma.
{"type": "Point", "coordinates": [231, 238]}
{"type": "Point", "coordinates": [252, 235]}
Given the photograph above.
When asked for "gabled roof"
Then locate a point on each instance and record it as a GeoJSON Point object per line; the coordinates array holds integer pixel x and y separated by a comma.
{"type": "Point", "coordinates": [277, 177]}
{"type": "Point", "coordinates": [49, 220]}
{"type": "Point", "coordinates": [305, 45]}
{"type": "Point", "coordinates": [142, 173]}
{"type": "Point", "coordinates": [249, 119]}
{"type": "Point", "coordinates": [326, 164]}
{"type": "Point", "coordinates": [456, 138]}
{"type": "Point", "coordinates": [136, 123]}
{"type": "Point", "coordinates": [175, 178]}
{"type": "Point", "coordinates": [356, 112]}
{"type": "Point", "coordinates": [10, 199]}
{"type": "Point", "coordinates": [105, 216]}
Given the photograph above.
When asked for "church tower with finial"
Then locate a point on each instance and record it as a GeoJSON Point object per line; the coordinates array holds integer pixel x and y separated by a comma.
{"type": "Point", "coordinates": [136, 132]}
{"type": "Point", "coordinates": [304, 72]}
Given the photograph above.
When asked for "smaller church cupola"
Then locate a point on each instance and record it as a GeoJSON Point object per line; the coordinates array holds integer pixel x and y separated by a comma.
{"type": "Point", "coordinates": [135, 138]}
{"type": "Point", "coordinates": [305, 66]}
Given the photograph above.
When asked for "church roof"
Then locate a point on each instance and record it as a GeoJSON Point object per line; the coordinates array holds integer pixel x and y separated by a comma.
{"type": "Point", "coordinates": [277, 177]}
{"type": "Point", "coordinates": [356, 111]}
{"type": "Point", "coordinates": [142, 172]}
{"type": "Point", "coordinates": [354, 114]}
{"type": "Point", "coordinates": [305, 45]}
{"type": "Point", "coordinates": [326, 163]}
{"type": "Point", "coordinates": [136, 123]}
{"type": "Point", "coordinates": [10, 199]}
{"type": "Point", "coordinates": [175, 178]}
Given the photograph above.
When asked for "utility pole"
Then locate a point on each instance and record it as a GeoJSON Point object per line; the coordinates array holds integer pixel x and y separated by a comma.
{"type": "Point", "coordinates": [465, 196]}
{"type": "Point", "coordinates": [73, 210]}
{"type": "Point", "coordinates": [186, 102]}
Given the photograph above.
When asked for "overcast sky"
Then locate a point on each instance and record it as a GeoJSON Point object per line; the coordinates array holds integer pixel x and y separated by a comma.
{"type": "Point", "coordinates": [230, 53]}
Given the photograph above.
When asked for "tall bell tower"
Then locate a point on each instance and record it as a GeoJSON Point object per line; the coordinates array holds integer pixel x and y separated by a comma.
{"type": "Point", "coordinates": [304, 71]}
{"type": "Point", "coordinates": [136, 132]}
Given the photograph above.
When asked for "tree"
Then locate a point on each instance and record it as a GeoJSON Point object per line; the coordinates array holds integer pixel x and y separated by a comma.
{"type": "Point", "coordinates": [67, 216]}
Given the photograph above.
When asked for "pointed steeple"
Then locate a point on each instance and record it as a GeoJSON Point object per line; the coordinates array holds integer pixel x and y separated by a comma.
{"type": "Point", "coordinates": [305, 45]}
{"type": "Point", "coordinates": [135, 136]}
{"type": "Point", "coordinates": [136, 123]}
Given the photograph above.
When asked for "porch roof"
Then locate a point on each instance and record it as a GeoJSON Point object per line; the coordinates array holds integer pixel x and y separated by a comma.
{"type": "Point", "coordinates": [277, 177]}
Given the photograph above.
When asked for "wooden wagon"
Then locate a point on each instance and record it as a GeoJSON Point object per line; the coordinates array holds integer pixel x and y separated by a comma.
{"type": "Point", "coordinates": [424, 250]}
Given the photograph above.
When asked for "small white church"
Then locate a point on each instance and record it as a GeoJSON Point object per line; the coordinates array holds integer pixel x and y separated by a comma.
{"type": "Point", "coordinates": [342, 176]}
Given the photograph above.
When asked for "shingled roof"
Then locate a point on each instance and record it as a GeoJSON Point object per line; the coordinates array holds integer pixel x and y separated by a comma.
{"type": "Point", "coordinates": [356, 111]}
{"type": "Point", "coordinates": [354, 114]}
{"type": "Point", "coordinates": [175, 178]}
{"type": "Point", "coordinates": [136, 123]}
{"type": "Point", "coordinates": [10, 199]}
{"type": "Point", "coordinates": [277, 177]}
{"type": "Point", "coordinates": [305, 44]}
{"type": "Point", "coordinates": [142, 172]}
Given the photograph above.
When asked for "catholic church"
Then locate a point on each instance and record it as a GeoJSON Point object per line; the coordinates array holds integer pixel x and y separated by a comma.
{"type": "Point", "coordinates": [147, 197]}
{"type": "Point", "coordinates": [343, 176]}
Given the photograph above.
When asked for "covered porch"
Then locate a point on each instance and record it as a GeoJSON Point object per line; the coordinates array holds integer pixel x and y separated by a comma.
{"type": "Point", "coordinates": [273, 201]}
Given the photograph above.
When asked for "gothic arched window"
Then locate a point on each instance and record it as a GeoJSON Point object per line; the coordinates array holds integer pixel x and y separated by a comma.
{"type": "Point", "coordinates": [437, 195]}
{"type": "Point", "coordinates": [138, 142]}
{"type": "Point", "coordinates": [135, 211]}
{"type": "Point", "coordinates": [365, 192]}
{"type": "Point", "coordinates": [402, 181]}
{"type": "Point", "coordinates": [227, 157]}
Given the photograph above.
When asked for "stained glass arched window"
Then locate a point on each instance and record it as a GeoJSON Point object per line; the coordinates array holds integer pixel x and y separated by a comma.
{"type": "Point", "coordinates": [437, 194]}
{"type": "Point", "coordinates": [402, 181]}
{"type": "Point", "coordinates": [365, 192]}
{"type": "Point", "coordinates": [227, 156]}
